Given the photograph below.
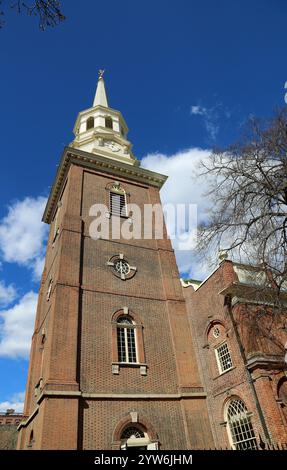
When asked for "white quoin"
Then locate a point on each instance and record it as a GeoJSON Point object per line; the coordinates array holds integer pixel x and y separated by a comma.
{"type": "Point", "coordinates": [102, 130]}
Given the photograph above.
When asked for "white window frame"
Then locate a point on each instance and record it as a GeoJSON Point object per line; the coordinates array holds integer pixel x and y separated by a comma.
{"type": "Point", "coordinates": [219, 360]}
{"type": "Point", "coordinates": [55, 220]}
{"type": "Point", "coordinates": [245, 424]}
{"type": "Point", "coordinates": [123, 211]}
{"type": "Point", "coordinates": [138, 441]}
{"type": "Point", "coordinates": [49, 290]}
{"type": "Point", "coordinates": [126, 327]}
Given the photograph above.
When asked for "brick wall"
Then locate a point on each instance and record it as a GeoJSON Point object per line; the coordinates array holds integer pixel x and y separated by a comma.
{"type": "Point", "coordinates": [208, 309]}
{"type": "Point", "coordinates": [75, 360]}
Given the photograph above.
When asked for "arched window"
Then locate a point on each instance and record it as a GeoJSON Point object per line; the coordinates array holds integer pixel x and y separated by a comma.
{"type": "Point", "coordinates": [127, 342]}
{"type": "Point", "coordinates": [109, 122]}
{"type": "Point", "coordinates": [90, 123]}
{"type": "Point", "coordinates": [240, 429]}
{"type": "Point", "coordinates": [126, 338]}
{"type": "Point", "coordinates": [136, 438]}
{"type": "Point", "coordinates": [132, 432]}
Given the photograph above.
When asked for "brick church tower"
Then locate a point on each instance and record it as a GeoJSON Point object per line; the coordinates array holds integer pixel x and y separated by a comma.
{"type": "Point", "coordinates": [112, 363]}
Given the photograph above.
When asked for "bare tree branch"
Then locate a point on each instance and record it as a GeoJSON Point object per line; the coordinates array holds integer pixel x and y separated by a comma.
{"type": "Point", "coordinates": [248, 186]}
{"type": "Point", "coordinates": [48, 11]}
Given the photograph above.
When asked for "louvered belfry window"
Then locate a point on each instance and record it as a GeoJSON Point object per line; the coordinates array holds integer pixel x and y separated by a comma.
{"type": "Point", "coordinates": [117, 204]}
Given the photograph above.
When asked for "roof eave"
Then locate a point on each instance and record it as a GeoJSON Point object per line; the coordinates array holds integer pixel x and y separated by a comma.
{"type": "Point", "coordinates": [99, 163]}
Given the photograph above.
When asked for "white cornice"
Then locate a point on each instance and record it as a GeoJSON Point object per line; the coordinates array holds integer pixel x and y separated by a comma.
{"type": "Point", "coordinates": [98, 163]}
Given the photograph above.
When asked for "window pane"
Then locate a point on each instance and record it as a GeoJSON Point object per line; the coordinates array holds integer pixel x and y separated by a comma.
{"type": "Point", "coordinates": [240, 426]}
{"type": "Point", "coordinates": [131, 345]}
{"type": "Point", "coordinates": [125, 320]}
{"type": "Point", "coordinates": [132, 432]}
{"type": "Point", "coordinates": [121, 345]}
{"type": "Point", "coordinates": [126, 340]}
{"type": "Point", "coordinates": [224, 358]}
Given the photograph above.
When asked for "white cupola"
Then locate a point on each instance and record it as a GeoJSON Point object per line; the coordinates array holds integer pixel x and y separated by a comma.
{"type": "Point", "coordinates": [102, 130]}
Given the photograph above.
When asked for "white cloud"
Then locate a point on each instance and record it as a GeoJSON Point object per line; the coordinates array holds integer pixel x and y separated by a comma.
{"type": "Point", "coordinates": [23, 235]}
{"type": "Point", "coordinates": [17, 327]}
{"type": "Point", "coordinates": [212, 128]}
{"type": "Point", "coordinates": [38, 267]}
{"type": "Point", "coordinates": [184, 185]}
{"type": "Point", "coordinates": [16, 402]}
{"type": "Point", "coordinates": [211, 117]}
{"type": "Point", "coordinates": [198, 110]}
{"type": "Point", "coordinates": [7, 294]}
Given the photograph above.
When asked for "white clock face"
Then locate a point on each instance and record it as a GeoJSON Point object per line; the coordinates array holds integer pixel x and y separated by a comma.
{"type": "Point", "coordinates": [112, 145]}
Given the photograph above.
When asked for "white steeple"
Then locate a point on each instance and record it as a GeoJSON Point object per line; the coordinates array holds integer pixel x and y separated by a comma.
{"type": "Point", "coordinates": [101, 96]}
{"type": "Point", "coordinates": [102, 130]}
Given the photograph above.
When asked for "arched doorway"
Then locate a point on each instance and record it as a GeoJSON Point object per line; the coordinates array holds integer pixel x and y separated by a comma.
{"type": "Point", "coordinates": [134, 438]}
{"type": "Point", "coordinates": [134, 432]}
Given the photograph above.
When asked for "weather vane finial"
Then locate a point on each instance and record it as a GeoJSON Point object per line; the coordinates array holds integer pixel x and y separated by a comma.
{"type": "Point", "coordinates": [101, 73]}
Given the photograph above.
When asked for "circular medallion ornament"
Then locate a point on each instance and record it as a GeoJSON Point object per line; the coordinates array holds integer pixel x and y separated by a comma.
{"type": "Point", "coordinates": [121, 267]}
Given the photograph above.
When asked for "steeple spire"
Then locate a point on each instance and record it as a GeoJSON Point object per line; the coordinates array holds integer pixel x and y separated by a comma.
{"type": "Point", "coordinates": [102, 130]}
{"type": "Point", "coordinates": [101, 96]}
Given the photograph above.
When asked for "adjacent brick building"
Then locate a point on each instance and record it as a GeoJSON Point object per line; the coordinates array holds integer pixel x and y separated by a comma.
{"type": "Point", "coordinates": [122, 356]}
{"type": "Point", "coordinates": [240, 340]}
{"type": "Point", "coordinates": [9, 422]}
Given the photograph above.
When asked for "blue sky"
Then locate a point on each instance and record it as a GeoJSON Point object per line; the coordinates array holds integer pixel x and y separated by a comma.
{"type": "Point", "coordinates": [186, 76]}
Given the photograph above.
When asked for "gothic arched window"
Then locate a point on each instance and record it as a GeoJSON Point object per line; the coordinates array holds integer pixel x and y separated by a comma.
{"type": "Point", "coordinates": [126, 339]}
{"type": "Point", "coordinates": [239, 425]}
{"type": "Point", "coordinates": [90, 123]}
{"type": "Point", "coordinates": [109, 122]}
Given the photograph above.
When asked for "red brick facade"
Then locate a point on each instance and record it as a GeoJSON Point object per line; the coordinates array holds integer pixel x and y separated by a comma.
{"type": "Point", "coordinates": [78, 395]}
{"type": "Point", "coordinates": [223, 311]}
